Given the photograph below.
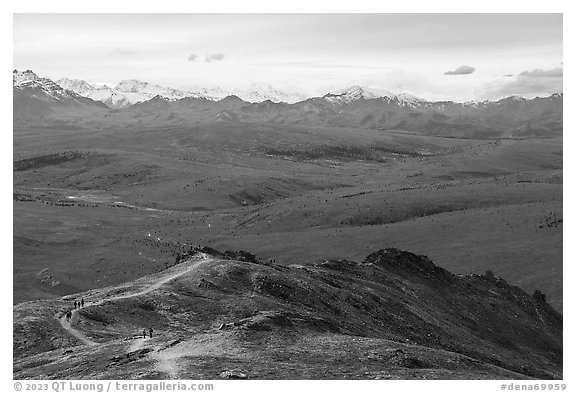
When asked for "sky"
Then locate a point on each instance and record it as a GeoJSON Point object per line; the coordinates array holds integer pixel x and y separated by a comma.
{"type": "Point", "coordinates": [434, 56]}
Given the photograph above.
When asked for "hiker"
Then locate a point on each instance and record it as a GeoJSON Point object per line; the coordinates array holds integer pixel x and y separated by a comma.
{"type": "Point", "coordinates": [69, 315]}
{"type": "Point", "coordinates": [82, 302]}
{"type": "Point", "coordinates": [75, 304]}
{"type": "Point", "coordinates": [150, 332]}
{"type": "Point", "coordinates": [144, 333]}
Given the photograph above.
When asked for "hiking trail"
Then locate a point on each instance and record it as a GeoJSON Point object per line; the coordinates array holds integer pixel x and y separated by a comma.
{"type": "Point", "coordinates": [191, 265]}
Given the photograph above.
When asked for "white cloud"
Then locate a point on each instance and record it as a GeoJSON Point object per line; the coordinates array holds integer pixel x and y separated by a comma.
{"type": "Point", "coordinates": [215, 57]}
{"type": "Point", "coordinates": [122, 52]}
{"type": "Point", "coordinates": [553, 73]}
{"type": "Point", "coordinates": [462, 70]}
{"type": "Point", "coordinates": [528, 84]}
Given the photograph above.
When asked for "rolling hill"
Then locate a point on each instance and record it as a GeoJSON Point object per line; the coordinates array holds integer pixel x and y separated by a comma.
{"type": "Point", "coordinates": [392, 315]}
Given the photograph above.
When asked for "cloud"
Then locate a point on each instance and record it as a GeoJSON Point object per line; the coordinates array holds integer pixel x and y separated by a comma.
{"type": "Point", "coordinates": [122, 52]}
{"type": "Point", "coordinates": [462, 70]}
{"type": "Point", "coordinates": [553, 73]}
{"type": "Point", "coordinates": [528, 84]}
{"type": "Point", "coordinates": [207, 58]}
{"type": "Point", "coordinates": [215, 57]}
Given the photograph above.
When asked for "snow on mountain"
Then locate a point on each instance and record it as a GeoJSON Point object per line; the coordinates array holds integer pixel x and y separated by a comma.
{"type": "Point", "coordinates": [28, 79]}
{"type": "Point", "coordinates": [76, 85]}
{"type": "Point", "coordinates": [112, 98]}
{"type": "Point", "coordinates": [132, 91]}
{"type": "Point", "coordinates": [354, 93]}
{"type": "Point", "coordinates": [101, 93]}
{"type": "Point", "coordinates": [20, 78]}
{"type": "Point", "coordinates": [260, 93]}
{"type": "Point", "coordinates": [40, 102]}
{"type": "Point", "coordinates": [129, 92]}
{"type": "Point", "coordinates": [210, 93]}
{"type": "Point", "coordinates": [514, 98]}
{"type": "Point", "coordinates": [254, 93]}
{"type": "Point", "coordinates": [125, 93]}
{"type": "Point", "coordinates": [149, 90]}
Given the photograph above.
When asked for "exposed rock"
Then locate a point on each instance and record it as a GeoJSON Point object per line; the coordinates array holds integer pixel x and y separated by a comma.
{"type": "Point", "coordinates": [130, 356]}
{"type": "Point", "coordinates": [408, 263]}
{"type": "Point", "coordinates": [233, 374]}
{"type": "Point", "coordinates": [539, 296]}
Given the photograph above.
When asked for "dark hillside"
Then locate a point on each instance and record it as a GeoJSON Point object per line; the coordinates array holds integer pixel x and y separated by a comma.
{"type": "Point", "coordinates": [426, 320]}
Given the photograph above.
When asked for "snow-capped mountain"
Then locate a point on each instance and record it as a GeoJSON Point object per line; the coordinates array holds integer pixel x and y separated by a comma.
{"type": "Point", "coordinates": [126, 93]}
{"type": "Point", "coordinates": [261, 93]}
{"type": "Point", "coordinates": [20, 78]}
{"type": "Point", "coordinates": [144, 89]}
{"type": "Point", "coordinates": [76, 85]}
{"type": "Point", "coordinates": [103, 93]}
{"type": "Point", "coordinates": [29, 80]}
{"type": "Point", "coordinates": [39, 102]}
{"type": "Point", "coordinates": [130, 92]}
{"type": "Point", "coordinates": [511, 99]}
{"type": "Point", "coordinates": [254, 93]}
{"type": "Point", "coordinates": [354, 93]}
{"type": "Point", "coordinates": [210, 93]}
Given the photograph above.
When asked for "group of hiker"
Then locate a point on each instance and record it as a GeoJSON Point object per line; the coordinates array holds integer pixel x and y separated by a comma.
{"type": "Point", "coordinates": [80, 303]}
{"type": "Point", "coordinates": [77, 304]}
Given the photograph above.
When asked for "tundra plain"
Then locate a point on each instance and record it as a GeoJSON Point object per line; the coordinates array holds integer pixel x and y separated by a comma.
{"type": "Point", "coordinates": [99, 207]}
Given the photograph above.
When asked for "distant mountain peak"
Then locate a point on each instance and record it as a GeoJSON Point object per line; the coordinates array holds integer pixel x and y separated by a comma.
{"type": "Point", "coordinates": [515, 98]}
{"type": "Point", "coordinates": [28, 79]}
{"type": "Point", "coordinates": [132, 85]}
{"type": "Point", "coordinates": [40, 101]}
{"type": "Point", "coordinates": [76, 85]}
{"type": "Point", "coordinates": [127, 92]}
{"type": "Point", "coordinates": [132, 91]}
{"type": "Point", "coordinates": [21, 77]}
{"type": "Point", "coordinates": [356, 92]}
{"type": "Point", "coordinates": [258, 92]}
{"type": "Point", "coordinates": [232, 98]}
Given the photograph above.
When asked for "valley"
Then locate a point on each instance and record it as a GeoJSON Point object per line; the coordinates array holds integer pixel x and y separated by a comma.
{"type": "Point", "coordinates": [476, 200]}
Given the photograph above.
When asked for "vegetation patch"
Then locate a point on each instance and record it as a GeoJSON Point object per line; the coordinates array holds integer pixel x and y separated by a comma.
{"type": "Point", "coordinates": [47, 160]}
{"type": "Point", "coordinates": [377, 153]}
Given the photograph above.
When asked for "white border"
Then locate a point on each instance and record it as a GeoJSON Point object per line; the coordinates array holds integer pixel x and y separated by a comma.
{"type": "Point", "coordinates": [296, 6]}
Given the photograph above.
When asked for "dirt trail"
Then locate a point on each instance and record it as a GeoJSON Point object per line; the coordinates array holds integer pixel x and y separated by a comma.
{"type": "Point", "coordinates": [137, 344]}
{"type": "Point", "coordinates": [67, 325]}
{"type": "Point", "coordinates": [166, 363]}
{"type": "Point", "coordinates": [202, 345]}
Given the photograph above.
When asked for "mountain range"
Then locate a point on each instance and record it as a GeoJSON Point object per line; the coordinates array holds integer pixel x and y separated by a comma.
{"type": "Point", "coordinates": [130, 92]}
{"type": "Point", "coordinates": [41, 102]}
